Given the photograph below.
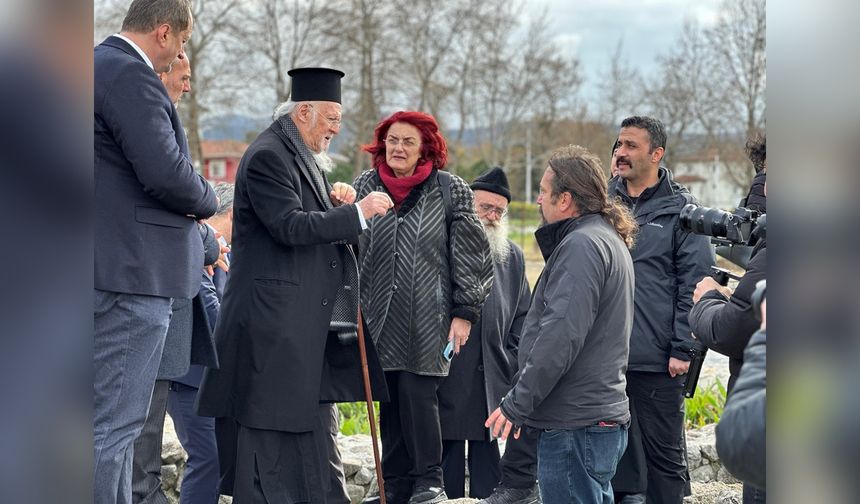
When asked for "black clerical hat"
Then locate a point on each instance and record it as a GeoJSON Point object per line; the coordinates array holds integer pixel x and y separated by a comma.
{"type": "Point", "coordinates": [315, 84]}
{"type": "Point", "coordinates": [495, 181]}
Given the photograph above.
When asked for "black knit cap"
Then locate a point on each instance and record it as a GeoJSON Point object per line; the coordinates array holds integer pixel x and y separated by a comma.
{"type": "Point", "coordinates": [495, 181]}
{"type": "Point", "coordinates": [315, 84]}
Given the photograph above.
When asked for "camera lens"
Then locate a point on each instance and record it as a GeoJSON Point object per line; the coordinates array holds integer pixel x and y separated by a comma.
{"type": "Point", "coordinates": [705, 221]}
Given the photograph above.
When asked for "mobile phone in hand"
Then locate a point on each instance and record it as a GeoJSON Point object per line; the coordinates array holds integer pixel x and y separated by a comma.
{"type": "Point", "coordinates": [448, 352]}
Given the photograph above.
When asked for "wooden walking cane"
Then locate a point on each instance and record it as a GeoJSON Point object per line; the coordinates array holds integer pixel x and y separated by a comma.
{"type": "Point", "coordinates": [369, 398]}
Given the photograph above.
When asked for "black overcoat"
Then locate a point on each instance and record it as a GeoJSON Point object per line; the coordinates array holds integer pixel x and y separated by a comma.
{"type": "Point", "coordinates": [501, 324]}
{"type": "Point", "coordinates": [278, 360]}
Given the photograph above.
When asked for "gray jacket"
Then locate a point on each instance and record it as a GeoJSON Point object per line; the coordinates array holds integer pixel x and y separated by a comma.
{"type": "Point", "coordinates": [576, 338]}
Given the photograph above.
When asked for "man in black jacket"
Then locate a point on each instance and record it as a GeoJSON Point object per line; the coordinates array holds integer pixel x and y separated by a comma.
{"type": "Point", "coordinates": [723, 320]}
{"type": "Point", "coordinates": [668, 263]}
{"type": "Point", "coordinates": [289, 313]}
{"type": "Point", "coordinates": [741, 433]}
{"type": "Point", "coordinates": [573, 352]}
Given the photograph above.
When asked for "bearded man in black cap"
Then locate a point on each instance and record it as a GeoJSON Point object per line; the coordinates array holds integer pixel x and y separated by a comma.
{"type": "Point", "coordinates": [286, 332]}
{"type": "Point", "coordinates": [481, 373]}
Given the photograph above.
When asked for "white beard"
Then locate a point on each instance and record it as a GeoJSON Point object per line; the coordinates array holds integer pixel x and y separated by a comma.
{"type": "Point", "coordinates": [323, 160]}
{"type": "Point", "coordinates": [497, 236]}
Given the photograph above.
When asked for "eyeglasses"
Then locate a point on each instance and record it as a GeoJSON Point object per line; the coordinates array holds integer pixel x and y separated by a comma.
{"type": "Point", "coordinates": [486, 208]}
{"type": "Point", "coordinates": [407, 143]}
{"type": "Point", "coordinates": [334, 123]}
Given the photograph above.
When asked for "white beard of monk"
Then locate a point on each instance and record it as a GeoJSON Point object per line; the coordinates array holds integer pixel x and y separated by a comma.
{"type": "Point", "coordinates": [497, 236]}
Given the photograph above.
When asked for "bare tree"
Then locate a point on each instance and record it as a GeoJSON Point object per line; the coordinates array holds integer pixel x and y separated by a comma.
{"type": "Point", "coordinates": [621, 88]}
{"type": "Point", "coordinates": [466, 67]}
{"type": "Point", "coordinates": [738, 46]}
{"type": "Point", "coordinates": [364, 51]}
{"type": "Point", "coordinates": [286, 35]}
{"type": "Point", "coordinates": [215, 22]}
{"type": "Point", "coordinates": [427, 30]}
{"type": "Point", "coordinates": [107, 18]}
{"type": "Point", "coordinates": [522, 81]}
{"type": "Point", "coordinates": [677, 89]}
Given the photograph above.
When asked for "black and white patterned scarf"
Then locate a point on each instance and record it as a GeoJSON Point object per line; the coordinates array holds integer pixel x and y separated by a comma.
{"type": "Point", "coordinates": [344, 316]}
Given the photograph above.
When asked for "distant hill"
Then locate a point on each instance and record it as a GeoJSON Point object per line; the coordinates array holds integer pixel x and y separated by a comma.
{"type": "Point", "coordinates": [233, 127]}
{"type": "Point", "coordinates": [245, 128]}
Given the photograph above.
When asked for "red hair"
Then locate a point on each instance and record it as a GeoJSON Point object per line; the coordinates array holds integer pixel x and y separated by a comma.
{"type": "Point", "coordinates": [433, 146]}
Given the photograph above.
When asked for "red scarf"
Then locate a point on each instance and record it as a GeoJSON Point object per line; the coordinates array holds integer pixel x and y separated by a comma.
{"type": "Point", "coordinates": [399, 187]}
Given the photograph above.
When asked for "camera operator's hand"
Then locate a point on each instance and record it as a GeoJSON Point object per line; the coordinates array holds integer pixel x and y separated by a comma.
{"type": "Point", "coordinates": [708, 284]}
{"type": "Point", "coordinates": [678, 367]}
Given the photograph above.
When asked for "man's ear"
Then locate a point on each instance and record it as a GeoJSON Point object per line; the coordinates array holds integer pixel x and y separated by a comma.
{"type": "Point", "coordinates": [657, 155]}
{"type": "Point", "coordinates": [566, 201]}
{"type": "Point", "coordinates": [568, 204]}
{"type": "Point", "coordinates": [161, 34]}
{"type": "Point", "coordinates": [305, 112]}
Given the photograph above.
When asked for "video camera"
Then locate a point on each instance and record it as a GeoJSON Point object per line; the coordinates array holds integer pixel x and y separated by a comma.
{"type": "Point", "coordinates": [735, 234]}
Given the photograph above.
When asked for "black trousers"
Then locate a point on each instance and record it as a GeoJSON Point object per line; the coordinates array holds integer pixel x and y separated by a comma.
{"type": "Point", "coordinates": [276, 467]}
{"type": "Point", "coordinates": [656, 438]}
{"type": "Point", "coordinates": [411, 437]}
{"type": "Point", "coordinates": [227, 437]}
{"type": "Point", "coordinates": [329, 427]}
{"type": "Point", "coordinates": [146, 464]}
{"type": "Point", "coordinates": [753, 495]}
{"type": "Point", "coordinates": [331, 481]}
{"type": "Point", "coordinates": [519, 463]}
{"type": "Point", "coordinates": [484, 468]}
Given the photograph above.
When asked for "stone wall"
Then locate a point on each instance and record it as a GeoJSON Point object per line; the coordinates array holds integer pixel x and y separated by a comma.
{"type": "Point", "coordinates": [711, 483]}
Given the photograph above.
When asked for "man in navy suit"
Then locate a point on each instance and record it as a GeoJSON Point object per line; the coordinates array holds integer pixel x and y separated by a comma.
{"type": "Point", "coordinates": [189, 340]}
{"type": "Point", "coordinates": [197, 433]}
{"type": "Point", "coordinates": [147, 248]}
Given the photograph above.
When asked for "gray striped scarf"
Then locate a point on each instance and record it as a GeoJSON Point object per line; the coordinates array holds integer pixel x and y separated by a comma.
{"type": "Point", "coordinates": [344, 316]}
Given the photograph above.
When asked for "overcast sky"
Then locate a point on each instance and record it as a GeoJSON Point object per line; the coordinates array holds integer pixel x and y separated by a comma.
{"type": "Point", "coordinates": [590, 29]}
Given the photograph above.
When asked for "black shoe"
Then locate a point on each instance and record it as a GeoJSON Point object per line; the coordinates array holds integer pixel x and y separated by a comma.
{"type": "Point", "coordinates": [376, 500]}
{"type": "Point", "coordinates": [390, 498]}
{"type": "Point", "coordinates": [428, 495]}
{"type": "Point", "coordinates": [506, 495]}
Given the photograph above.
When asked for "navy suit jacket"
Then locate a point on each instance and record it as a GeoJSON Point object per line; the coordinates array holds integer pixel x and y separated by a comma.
{"type": "Point", "coordinates": [206, 305]}
{"type": "Point", "coordinates": [147, 194]}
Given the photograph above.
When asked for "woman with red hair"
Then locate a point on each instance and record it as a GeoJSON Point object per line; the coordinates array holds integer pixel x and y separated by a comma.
{"type": "Point", "coordinates": [423, 282]}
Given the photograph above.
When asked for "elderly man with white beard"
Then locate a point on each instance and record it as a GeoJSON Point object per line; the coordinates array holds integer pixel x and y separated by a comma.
{"type": "Point", "coordinates": [481, 374]}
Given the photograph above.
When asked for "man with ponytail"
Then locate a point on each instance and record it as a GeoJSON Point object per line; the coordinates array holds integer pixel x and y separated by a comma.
{"type": "Point", "coordinates": [574, 347]}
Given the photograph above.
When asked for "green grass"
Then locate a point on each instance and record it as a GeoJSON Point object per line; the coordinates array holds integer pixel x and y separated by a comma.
{"type": "Point", "coordinates": [353, 418]}
{"type": "Point", "coordinates": [706, 406]}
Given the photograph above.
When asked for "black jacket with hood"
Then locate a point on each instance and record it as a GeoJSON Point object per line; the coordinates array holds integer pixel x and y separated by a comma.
{"type": "Point", "coordinates": [668, 262]}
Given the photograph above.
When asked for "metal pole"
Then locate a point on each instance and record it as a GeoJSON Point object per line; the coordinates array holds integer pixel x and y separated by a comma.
{"type": "Point", "coordinates": [529, 162]}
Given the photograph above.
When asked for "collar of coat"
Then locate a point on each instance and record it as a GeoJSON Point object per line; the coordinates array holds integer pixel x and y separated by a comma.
{"type": "Point", "coordinates": [664, 196]}
{"type": "Point", "coordinates": [549, 236]}
{"type": "Point", "coordinates": [303, 155]}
